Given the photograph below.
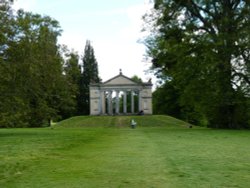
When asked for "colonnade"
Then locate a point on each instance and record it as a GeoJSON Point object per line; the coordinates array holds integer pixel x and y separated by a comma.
{"type": "Point", "coordinates": [117, 96]}
{"type": "Point", "coordinates": [107, 101]}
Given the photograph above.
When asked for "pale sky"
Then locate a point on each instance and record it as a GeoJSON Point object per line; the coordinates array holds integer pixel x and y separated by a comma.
{"type": "Point", "coordinates": [113, 27]}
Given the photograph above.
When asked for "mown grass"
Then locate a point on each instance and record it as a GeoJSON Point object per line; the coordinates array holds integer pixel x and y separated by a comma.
{"type": "Point", "coordinates": [121, 121]}
{"type": "Point", "coordinates": [106, 152]}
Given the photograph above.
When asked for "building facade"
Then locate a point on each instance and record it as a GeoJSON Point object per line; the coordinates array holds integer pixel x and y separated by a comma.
{"type": "Point", "coordinates": [120, 96]}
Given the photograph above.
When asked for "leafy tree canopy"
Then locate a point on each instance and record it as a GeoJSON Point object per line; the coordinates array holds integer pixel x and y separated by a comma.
{"type": "Point", "coordinates": [32, 86]}
{"type": "Point", "coordinates": [203, 47]}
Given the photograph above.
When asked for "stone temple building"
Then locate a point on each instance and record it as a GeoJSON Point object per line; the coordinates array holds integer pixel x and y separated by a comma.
{"type": "Point", "coordinates": [120, 96]}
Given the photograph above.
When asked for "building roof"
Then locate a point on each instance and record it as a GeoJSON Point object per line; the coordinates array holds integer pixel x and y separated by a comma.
{"type": "Point", "coordinates": [123, 80]}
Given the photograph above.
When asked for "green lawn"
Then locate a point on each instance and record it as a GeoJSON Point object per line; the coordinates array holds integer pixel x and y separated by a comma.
{"type": "Point", "coordinates": [106, 152]}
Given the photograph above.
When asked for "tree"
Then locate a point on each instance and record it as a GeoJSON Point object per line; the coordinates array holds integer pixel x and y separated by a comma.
{"type": "Point", "coordinates": [33, 87]}
{"type": "Point", "coordinates": [165, 100]}
{"type": "Point", "coordinates": [12, 105]}
{"type": "Point", "coordinates": [136, 79]}
{"type": "Point", "coordinates": [89, 75]}
{"type": "Point", "coordinates": [72, 71]}
{"type": "Point", "coordinates": [203, 48]}
{"type": "Point", "coordinates": [6, 101]}
{"type": "Point", "coordinates": [37, 65]}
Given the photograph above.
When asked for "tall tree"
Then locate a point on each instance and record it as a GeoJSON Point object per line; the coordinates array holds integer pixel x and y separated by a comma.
{"type": "Point", "coordinates": [12, 105]}
{"type": "Point", "coordinates": [89, 75]}
{"type": "Point", "coordinates": [38, 63]}
{"type": "Point", "coordinates": [203, 48]}
{"type": "Point", "coordinates": [72, 71]}
{"type": "Point", "coordinates": [33, 88]}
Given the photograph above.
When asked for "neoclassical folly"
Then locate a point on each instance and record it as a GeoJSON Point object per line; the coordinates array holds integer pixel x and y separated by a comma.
{"type": "Point", "coordinates": [120, 95]}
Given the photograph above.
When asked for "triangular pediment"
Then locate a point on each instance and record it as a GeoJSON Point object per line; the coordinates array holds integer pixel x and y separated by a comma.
{"type": "Point", "coordinates": [120, 80]}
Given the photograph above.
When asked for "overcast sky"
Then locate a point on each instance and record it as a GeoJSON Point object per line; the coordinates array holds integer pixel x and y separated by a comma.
{"type": "Point", "coordinates": [113, 27]}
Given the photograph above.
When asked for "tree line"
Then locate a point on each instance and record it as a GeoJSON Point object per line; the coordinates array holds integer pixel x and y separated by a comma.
{"type": "Point", "coordinates": [200, 50]}
{"type": "Point", "coordinates": [40, 80]}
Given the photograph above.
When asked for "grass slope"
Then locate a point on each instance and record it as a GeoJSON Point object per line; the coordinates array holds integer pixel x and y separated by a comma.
{"type": "Point", "coordinates": [106, 152]}
{"type": "Point", "coordinates": [121, 121]}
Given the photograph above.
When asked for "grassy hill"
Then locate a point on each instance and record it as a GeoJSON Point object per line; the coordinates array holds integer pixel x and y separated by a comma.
{"type": "Point", "coordinates": [122, 121]}
{"type": "Point", "coordinates": [105, 152]}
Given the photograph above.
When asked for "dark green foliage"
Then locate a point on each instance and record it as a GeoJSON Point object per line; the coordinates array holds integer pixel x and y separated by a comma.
{"type": "Point", "coordinates": [40, 80]}
{"type": "Point", "coordinates": [32, 86]}
{"type": "Point", "coordinates": [89, 75]}
{"type": "Point", "coordinates": [90, 66]}
{"type": "Point", "coordinates": [203, 48]}
{"type": "Point", "coordinates": [136, 79]}
{"type": "Point", "coordinates": [72, 71]}
{"type": "Point", "coordinates": [165, 100]}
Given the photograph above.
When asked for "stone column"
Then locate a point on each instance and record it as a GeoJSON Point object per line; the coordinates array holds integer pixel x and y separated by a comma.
{"type": "Point", "coordinates": [100, 103]}
{"type": "Point", "coordinates": [132, 102]}
{"type": "Point", "coordinates": [139, 101]}
{"type": "Point", "coordinates": [117, 105]}
{"type": "Point", "coordinates": [110, 106]}
{"type": "Point", "coordinates": [125, 102]}
{"type": "Point", "coordinates": [103, 99]}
